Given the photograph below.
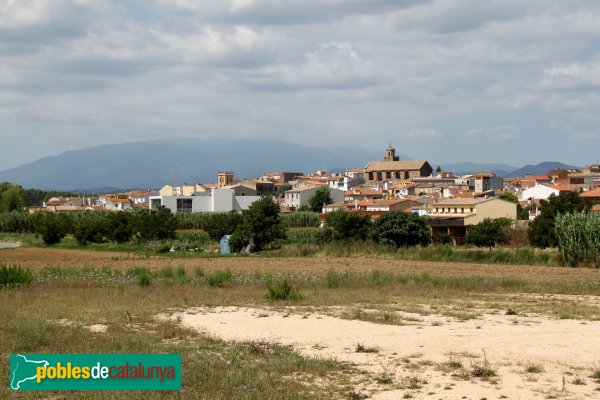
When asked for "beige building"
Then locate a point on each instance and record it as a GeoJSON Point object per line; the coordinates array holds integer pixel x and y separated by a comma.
{"type": "Point", "coordinates": [183, 189]}
{"type": "Point", "coordinates": [390, 167]}
{"type": "Point", "coordinates": [453, 216]}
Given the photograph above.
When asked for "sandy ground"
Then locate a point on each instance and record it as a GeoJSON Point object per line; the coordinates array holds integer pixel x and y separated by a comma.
{"type": "Point", "coordinates": [416, 355]}
{"type": "Point", "coordinates": [40, 257]}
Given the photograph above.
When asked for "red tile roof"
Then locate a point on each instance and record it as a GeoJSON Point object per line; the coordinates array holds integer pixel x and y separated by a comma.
{"type": "Point", "coordinates": [560, 188]}
{"type": "Point", "coordinates": [591, 193]}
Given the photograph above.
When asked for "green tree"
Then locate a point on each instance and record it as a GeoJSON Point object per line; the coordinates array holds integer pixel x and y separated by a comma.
{"type": "Point", "coordinates": [508, 196]}
{"type": "Point", "coordinates": [541, 231]}
{"type": "Point", "coordinates": [51, 227]}
{"type": "Point", "coordinates": [261, 225]}
{"type": "Point", "coordinates": [489, 232]}
{"type": "Point", "coordinates": [348, 225]}
{"type": "Point", "coordinates": [401, 229]}
{"type": "Point", "coordinates": [438, 169]}
{"type": "Point", "coordinates": [11, 198]}
{"type": "Point", "coordinates": [322, 196]}
{"type": "Point", "coordinates": [118, 227]}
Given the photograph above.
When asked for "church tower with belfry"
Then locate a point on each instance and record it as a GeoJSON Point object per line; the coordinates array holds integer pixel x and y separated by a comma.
{"type": "Point", "coordinates": [391, 154]}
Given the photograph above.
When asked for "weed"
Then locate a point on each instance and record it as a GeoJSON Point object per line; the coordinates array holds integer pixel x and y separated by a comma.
{"type": "Point", "coordinates": [361, 348]}
{"type": "Point", "coordinates": [14, 275]}
{"type": "Point", "coordinates": [578, 381]}
{"type": "Point", "coordinates": [482, 369]}
{"type": "Point", "coordinates": [510, 311]}
{"type": "Point", "coordinates": [282, 290]}
{"type": "Point", "coordinates": [596, 374]}
{"type": "Point", "coordinates": [218, 278]}
{"type": "Point", "coordinates": [533, 368]}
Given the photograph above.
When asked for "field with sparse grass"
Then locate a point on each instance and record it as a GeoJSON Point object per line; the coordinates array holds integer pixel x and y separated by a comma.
{"type": "Point", "coordinates": [88, 301]}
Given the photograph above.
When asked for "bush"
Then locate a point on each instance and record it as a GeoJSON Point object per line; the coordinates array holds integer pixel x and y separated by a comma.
{"type": "Point", "coordinates": [51, 227]}
{"type": "Point", "coordinates": [348, 225]}
{"type": "Point", "coordinates": [541, 231]}
{"type": "Point", "coordinates": [14, 275]}
{"type": "Point", "coordinates": [282, 290]}
{"type": "Point", "coordinates": [240, 238]}
{"type": "Point", "coordinates": [401, 229]}
{"type": "Point", "coordinates": [325, 235]}
{"type": "Point", "coordinates": [322, 196]}
{"type": "Point", "coordinates": [15, 221]}
{"type": "Point", "coordinates": [118, 227]}
{"type": "Point", "coordinates": [489, 232]}
{"type": "Point", "coordinates": [442, 239]}
{"type": "Point", "coordinates": [218, 278]}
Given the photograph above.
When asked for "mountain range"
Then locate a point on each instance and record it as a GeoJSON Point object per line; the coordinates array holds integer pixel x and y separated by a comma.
{"type": "Point", "coordinates": [152, 164]}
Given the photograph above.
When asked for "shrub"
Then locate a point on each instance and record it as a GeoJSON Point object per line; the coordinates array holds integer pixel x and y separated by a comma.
{"type": "Point", "coordinates": [14, 275]}
{"type": "Point", "coordinates": [401, 229]}
{"type": "Point", "coordinates": [51, 227]}
{"type": "Point", "coordinates": [542, 230]}
{"type": "Point", "coordinates": [348, 225]}
{"type": "Point", "coordinates": [282, 290]}
{"type": "Point", "coordinates": [144, 279]}
{"type": "Point", "coordinates": [489, 232]}
{"type": "Point", "coordinates": [218, 278]}
{"type": "Point", "coordinates": [325, 235]}
{"type": "Point", "coordinates": [118, 227]}
{"type": "Point", "coordinates": [442, 239]}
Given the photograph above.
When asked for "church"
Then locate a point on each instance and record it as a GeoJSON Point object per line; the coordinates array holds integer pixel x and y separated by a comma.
{"type": "Point", "coordinates": [390, 167]}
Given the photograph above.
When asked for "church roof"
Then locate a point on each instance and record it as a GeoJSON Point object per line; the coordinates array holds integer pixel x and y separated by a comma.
{"type": "Point", "coordinates": [395, 165]}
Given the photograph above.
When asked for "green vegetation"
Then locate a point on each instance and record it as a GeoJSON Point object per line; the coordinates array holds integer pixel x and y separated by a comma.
{"type": "Point", "coordinates": [219, 278]}
{"type": "Point", "coordinates": [489, 232]}
{"type": "Point", "coordinates": [300, 219]}
{"type": "Point", "coordinates": [578, 237]}
{"type": "Point", "coordinates": [321, 197]}
{"type": "Point", "coordinates": [14, 275]}
{"type": "Point", "coordinates": [541, 230]}
{"type": "Point", "coordinates": [401, 229]}
{"type": "Point", "coordinates": [261, 225]}
{"type": "Point", "coordinates": [51, 227]}
{"type": "Point", "coordinates": [347, 225]}
{"type": "Point", "coordinates": [282, 290]}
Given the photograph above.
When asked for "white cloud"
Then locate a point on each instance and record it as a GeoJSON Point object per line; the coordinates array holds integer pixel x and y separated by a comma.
{"type": "Point", "coordinates": [493, 134]}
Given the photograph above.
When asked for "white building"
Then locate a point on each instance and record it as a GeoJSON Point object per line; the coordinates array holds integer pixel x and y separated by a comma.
{"type": "Point", "coordinates": [543, 191]}
{"type": "Point", "coordinates": [217, 200]}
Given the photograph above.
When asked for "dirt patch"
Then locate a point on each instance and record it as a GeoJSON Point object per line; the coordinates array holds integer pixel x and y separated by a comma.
{"type": "Point", "coordinates": [40, 257]}
{"type": "Point", "coordinates": [429, 361]}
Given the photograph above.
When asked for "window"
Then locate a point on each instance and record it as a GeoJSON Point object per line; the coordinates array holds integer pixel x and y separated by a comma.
{"type": "Point", "coordinates": [155, 204]}
{"type": "Point", "coordinates": [184, 205]}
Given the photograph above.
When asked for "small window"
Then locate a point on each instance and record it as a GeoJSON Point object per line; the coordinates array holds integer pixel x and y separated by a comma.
{"type": "Point", "coordinates": [184, 205]}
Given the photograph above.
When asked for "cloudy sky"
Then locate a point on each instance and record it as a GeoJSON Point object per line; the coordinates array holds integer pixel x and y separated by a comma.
{"type": "Point", "coordinates": [446, 80]}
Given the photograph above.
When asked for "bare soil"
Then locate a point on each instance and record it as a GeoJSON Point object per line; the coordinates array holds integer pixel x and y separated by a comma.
{"type": "Point", "coordinates": [430, 360]}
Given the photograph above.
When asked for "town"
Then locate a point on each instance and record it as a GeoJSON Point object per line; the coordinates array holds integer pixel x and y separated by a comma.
{"type": "Point", "coordinates": [452, 203]}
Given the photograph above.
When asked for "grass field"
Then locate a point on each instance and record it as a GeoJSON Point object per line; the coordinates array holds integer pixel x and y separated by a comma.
{"type": "Point", "coordinates": [91, 301]}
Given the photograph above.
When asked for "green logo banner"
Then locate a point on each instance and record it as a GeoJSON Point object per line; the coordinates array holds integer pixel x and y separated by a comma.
{"type": "Point", "coordinates": [95, 371]}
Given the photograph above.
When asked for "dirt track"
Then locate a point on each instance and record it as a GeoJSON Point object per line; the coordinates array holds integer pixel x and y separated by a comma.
{"type": "Point", "coordinates": [39, 258]}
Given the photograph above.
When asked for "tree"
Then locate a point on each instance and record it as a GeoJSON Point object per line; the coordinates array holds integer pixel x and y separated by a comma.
{"type": "Point", "coordinates": [508, 196]}
{"type": "Point", "coordinates": [51, 227]}
{"type": "Point", "coordinates": [118, 227]}
{"type": "Point", "coordinates": [322, 196]}
{"type": "Point", "coordinates": [401, 229]}
{"type": "Point", "coordinates": [11, 198]}
{"type": "Point", "coordinates": [348, 225]}
{"type": "Point", "coordinates": [489, 232]}
{"type": "Point", "coordinates": [438, 169]}
{"type": "Point", "coordinates": [541, 231]}
{"type": "Point", "coordinates": [261, 225]}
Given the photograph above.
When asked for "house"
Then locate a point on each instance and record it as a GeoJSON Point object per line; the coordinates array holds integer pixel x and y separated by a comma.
{"type": "Point", "coordinates": [362, 193]}
{"type": "Point", "coordinates": [453, 216]}
{"type": "Point", "coordinates": [181, 189]}
{"type": "Point", "coordinates": [543, 191]}
{"type": "Point", "coordinates": [591, 195]}
{"type": "Point", "coordinates": [595, 208]}
{"type": "Point", "coordinates": [402, 189]}
{"type": "Point", "coordinates": [280, 177]}
{"type": "Point", "coordinates": [252, 187]}
{"type": "Point", "coordinates": [217, 200]}
{"type": "Point", "coordinates": [303, 191]}
{"type": "Point", "coordinates": [142, 197]}
{"type": "Point", "coordinates": [344, 182]}
{"type": "Point", "coordinates": [530, 181]}
{"type": "Point", "coordinates": [388, 205]}
{"type": "Point", "coordinates": [117, 204]}
{"type": "Point", "coordinates": [485, 182]}
{"type": "Point", "coordinates": [390, 167]}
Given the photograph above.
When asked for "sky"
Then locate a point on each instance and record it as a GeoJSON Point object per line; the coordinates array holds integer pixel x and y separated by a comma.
{"type": "Point", "coordinates": [443, 80]}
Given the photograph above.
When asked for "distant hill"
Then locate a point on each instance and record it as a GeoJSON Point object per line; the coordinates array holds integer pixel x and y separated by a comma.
{"type": "Point", "coordinates": [470, 168]}
{"type": "Point", "coordinates": [153, 164]}
{"type": "Point", "coordinates": [539, 169]}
